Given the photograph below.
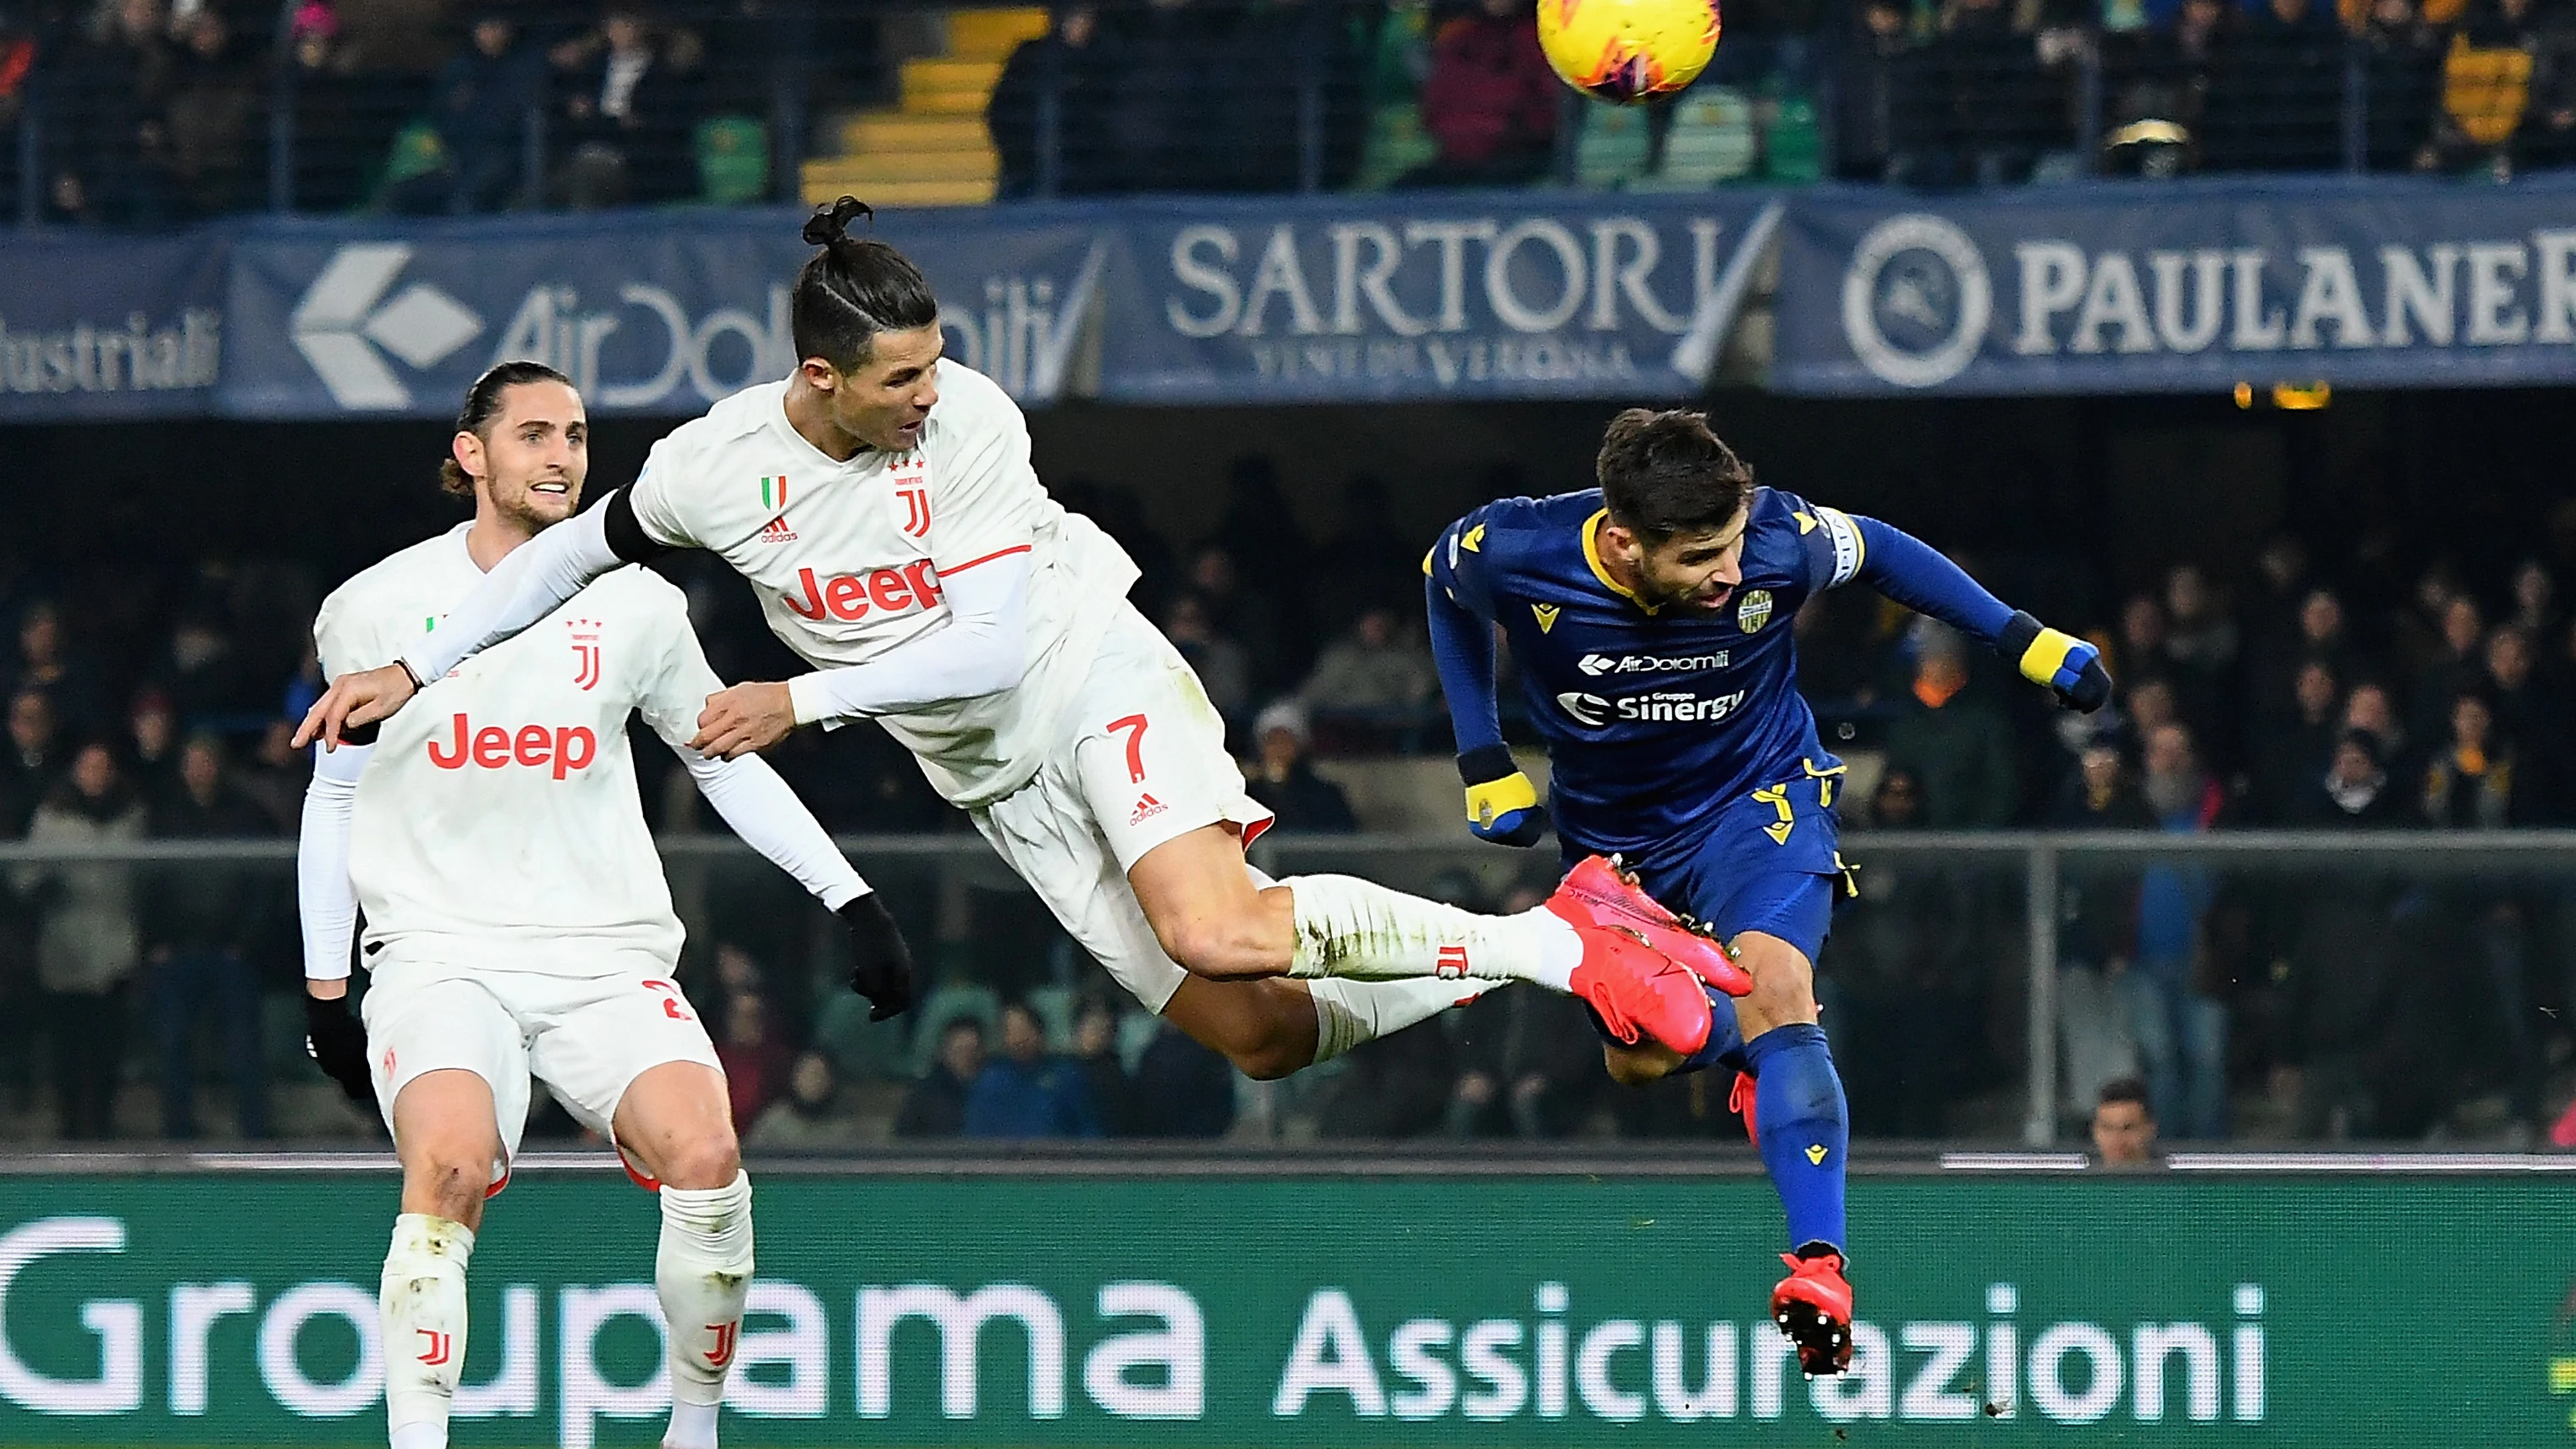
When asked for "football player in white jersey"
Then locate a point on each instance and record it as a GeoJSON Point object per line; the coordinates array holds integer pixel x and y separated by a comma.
{"type": "Point", "coordinates": [518, 923]}
{"type": "Point", "coordinates": [882, 504]}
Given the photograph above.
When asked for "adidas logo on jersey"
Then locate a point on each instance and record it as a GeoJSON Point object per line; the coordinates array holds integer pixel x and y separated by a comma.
{"type": "Point", "coordinates": [777, 531]}
{"type": "Point", "coordinates": [1147, 807]}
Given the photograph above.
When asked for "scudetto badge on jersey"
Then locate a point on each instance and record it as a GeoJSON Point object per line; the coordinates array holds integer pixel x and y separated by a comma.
{"type": "Point", "coordinates": [1753, 610]}
{"type": "Point", "coordinates": [773, 493]}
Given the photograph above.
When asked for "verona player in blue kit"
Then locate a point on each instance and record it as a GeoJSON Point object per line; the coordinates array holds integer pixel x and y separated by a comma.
{"type": "Point", "coordinates": [1650, 621]}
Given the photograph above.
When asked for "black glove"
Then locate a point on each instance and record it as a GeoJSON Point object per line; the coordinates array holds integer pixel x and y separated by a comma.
{"type": "Point", "coordinates": [883, 973]}
{"type": "Point", "coordinates": [338, 1044]}
{"type": "Point", "coordinates": [2060, 663]}
{"type": "Point", "coordinates": [1502, 806]}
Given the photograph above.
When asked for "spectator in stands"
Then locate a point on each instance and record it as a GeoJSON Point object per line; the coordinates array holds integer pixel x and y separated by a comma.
{"type": "Point", "coordinates": [204, 674]}
{"type": "Point", "coordinates": [2322, 633]}
{"type": "Point", "coordinates": [152, 760]}
{"type": "Point", "coordinates": [1240, 613]}
{"type": "Point", "coordinates": [1181, 1089]}
{"type": "Point", "coordinates": [1171, 76]}
{"type": "Point", "coordinates": [2290, 753]}
{"type": "Point", "coordinates": [1373, 557]}
{"type": "Point", "coordinates": [755, 1060]}
{"type": "Point", "coordinates": [2469, 783]}
{"type": "Point", "coordinates": [1905, 962]}
{"type": "Point", "coordinates": [1223, 668]}
{"type": "Point", "coordinates": [2402, 67]}
{"type": "Point", "coordinates": [1952, 740]}
{"type": "Point", "coordinates": [201, 920]}
{"type": "Point", "coordinates": [2456, 663]}
{"type": "Point", "coordinates": [1285, 779]}
{"type": "Point", "coordinates": [1260, 525]}
{"type": "Point", "coordinates": [2001, 110]}
{"type": "Point", "coordinates": [1376, 678]}
{"type": "Point", "coordinates": [2097, 931]}
{"type": "Point", "coordinates": [1028, 1092]}
{"type": "Point", "coordinates": [213, 96]}
{"type": "Point", "coordinates": [114, 147]}
{"type": "Point", "coordinates": [810, 1117]}
{"type": "Point", "coordinates": [935, 1104]}
{"type": "Point", "coordinates": [2353, 790]}
{"type": "Point", "coordinates": [32, 763]}
{"type": "Point", "coordinates": [2124, 1125]}
{"type": "Point", "coordinates": [2535, 599]}
{"type": "Point", "coordinates": [278, 774]}
{"type": "Point", "coordinates": [2201, 647]}
{"type": "Point", "coordinates": [1529, 1061]}
{"type": "Point", "coordinates": [1871, 132]}
{"type": "Point", "coordinates": [47, 661]}
{"type": "Point", "coordinates": [1104, 1075]}
{"type": "Point", "coordinates": [484, 98]}
{"type": "Point", "coordinates": [1076, 64]}
{"type": "Point", "coordinates": [2369, 710]}
{"type": "Point", "coordinates": [1490, 102]}
{"type": "Point", "coordinates": [1282, 54]}
{"type": "Point", "coordinates": [2486, 89]}
{"type": "Point", "coordinates": [338, 134]}
{"type": "Point", "coordinates": [2531, 716]}
{"type": "Point", "coordinates": [626, 116]}
{"type": "Point", "coordinates": [88, 944]}
{"type": "Point", "coordinates": [2275, 102]}
{"type": "Point", "coordinates": [2174, 1008]}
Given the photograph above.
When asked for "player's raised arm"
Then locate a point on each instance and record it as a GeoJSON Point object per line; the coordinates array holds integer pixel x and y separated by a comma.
{"type": "Point", "coordinates": [760, 808]}
{"type": "Point", "coordinates": [1911, 572]}
{"type": "Point", "coordinates": [1502, 804]}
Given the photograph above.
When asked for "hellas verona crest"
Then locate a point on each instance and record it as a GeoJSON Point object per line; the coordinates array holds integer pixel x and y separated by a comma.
{"type": "Point", "coordinates": [1753, 611]}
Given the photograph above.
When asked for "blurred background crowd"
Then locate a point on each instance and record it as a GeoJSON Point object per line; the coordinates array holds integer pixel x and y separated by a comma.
{"type": "Point", "coordinates": [144, 113]}
{"type": "Point", "coordinates": [2318, 690]}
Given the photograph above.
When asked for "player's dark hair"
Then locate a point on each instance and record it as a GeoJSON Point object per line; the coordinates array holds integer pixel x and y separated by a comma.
{"type": "Point", "coordinates": [1666, 473]}
{"type": "Point", "coordinates": [853, 289]}
{"type": "Point", "coordinates": [2125, 1089]}
{"type": "Point", "coordinates": [482, 405]}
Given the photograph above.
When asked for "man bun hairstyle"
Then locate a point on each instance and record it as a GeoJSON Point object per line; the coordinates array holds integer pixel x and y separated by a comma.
{"type": "Point", "coordinates": [482, 405]}
{"type": "Point", "coordinates": [853, 289]}
{"type": "Point", "coordinates": [1666, 473]}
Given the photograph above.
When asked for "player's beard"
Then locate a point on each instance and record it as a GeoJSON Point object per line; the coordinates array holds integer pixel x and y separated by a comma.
{"type": "Point", "coordinates": [521, 509]}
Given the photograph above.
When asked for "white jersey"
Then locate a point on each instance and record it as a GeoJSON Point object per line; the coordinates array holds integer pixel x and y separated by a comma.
{"type": "Point", "coordinates": [497, 821]}
{"type": "Point", "coordinates": [847, 558]}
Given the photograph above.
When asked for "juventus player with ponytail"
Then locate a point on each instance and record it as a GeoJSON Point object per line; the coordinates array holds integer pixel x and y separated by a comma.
{"type": "Point", "coordinates": [881, 503]}
{"type": "Point", "coordinates": [518, 924]}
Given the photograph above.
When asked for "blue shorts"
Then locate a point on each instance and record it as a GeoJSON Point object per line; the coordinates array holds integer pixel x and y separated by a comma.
{"type": "Point", "coordinates": [1770, 862]}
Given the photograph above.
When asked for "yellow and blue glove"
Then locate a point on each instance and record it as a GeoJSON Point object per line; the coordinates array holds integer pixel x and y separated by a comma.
{"type": "Point", "coordinates": [1502, 804]}
{"type": "Point", "coordinates": [2059, 663]}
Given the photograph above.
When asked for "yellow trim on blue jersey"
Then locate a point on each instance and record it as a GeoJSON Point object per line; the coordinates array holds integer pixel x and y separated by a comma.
{"type": "Point", "coordinates": [2046, 657]}
{"type": "Point", "coordinates": [1592, 556]}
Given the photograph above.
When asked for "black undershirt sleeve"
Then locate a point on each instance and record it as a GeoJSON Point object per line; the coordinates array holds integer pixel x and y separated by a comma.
{"type": "Point", "coordinates": [626, 536]}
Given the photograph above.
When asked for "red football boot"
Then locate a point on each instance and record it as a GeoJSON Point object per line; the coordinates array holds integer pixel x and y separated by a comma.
{"type": "Point", "coordinates": [1639, 993]}
{"type": "Point", "coordinates": [1598, 893]}
{"type": "Point", "coordinates": [1813, 1306]}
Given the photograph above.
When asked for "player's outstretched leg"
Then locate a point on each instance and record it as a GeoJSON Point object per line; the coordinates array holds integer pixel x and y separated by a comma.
{"type": "Point", "coordinates": [445, 1133]}
{"type": "Point", "coordinates": [673, 1122]}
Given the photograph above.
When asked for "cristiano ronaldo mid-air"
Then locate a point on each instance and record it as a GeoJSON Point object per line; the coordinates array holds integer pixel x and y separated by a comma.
{"type": "Point", "coordinates": [1649, 619]}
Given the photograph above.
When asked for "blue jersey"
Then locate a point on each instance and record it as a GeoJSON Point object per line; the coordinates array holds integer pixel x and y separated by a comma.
{"type": "Point", "coordinates": [1656, 720]}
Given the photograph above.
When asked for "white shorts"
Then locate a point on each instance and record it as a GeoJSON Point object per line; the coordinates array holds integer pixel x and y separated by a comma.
{"type": "Point", "coordinates": [585, 1037]}
{"type": "Point", "coordinates": [1139, 761]}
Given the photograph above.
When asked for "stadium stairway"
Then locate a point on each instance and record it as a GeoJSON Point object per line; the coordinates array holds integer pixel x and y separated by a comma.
{"type": "Point", "coordinates": [932, 149]}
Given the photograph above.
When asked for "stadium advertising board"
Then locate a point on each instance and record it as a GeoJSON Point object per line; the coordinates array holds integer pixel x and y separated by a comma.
{"type": "Point", "coordinates": [1507, 295]}
{"type": "Point", "coordinates": [2166, 287]}
{"type": "Point", "coordinates": [1247, 1313]}
{"type": "Point", "coordinates": [660, 317]}
{"type": "Point", "coordinates": [98, 328]}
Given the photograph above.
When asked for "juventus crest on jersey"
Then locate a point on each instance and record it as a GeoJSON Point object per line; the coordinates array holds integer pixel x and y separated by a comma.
{"type": "Point", "coordinates": [501, 806]}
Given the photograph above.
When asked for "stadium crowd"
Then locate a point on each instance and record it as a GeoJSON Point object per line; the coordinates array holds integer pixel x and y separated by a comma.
{"type": "Point", "coordinates": [2301, 694]}
{"type": "Point", "coordinates": [144, 113]}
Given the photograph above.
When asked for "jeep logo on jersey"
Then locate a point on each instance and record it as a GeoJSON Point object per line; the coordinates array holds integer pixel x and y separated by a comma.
{"type": "Point", "coordinates": [561, 749]}
{"type": "Point", "coordinates": [1597, 665]}
{"type": "Point", "coordinates": [848, 597]}
{"type": "Point", "coordinates": [1663, 706]}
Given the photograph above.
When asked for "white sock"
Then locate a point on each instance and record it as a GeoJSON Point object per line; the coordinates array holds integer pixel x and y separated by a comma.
{"type": "Point", "coordinates": [703, 1271]}
{"type": "Point", "coordinates": [1358, 929]}
{"type": "Point", "coordinates": [422, 1300]}
{"type": "Point", "coordinates": [1350, 1012]}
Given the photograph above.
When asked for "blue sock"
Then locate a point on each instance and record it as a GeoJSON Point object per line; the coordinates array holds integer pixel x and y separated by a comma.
{"type": "Point", "coordinates": [1798, 1109]}
{"type": "Point", "coordinates": [1725, 1046]}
